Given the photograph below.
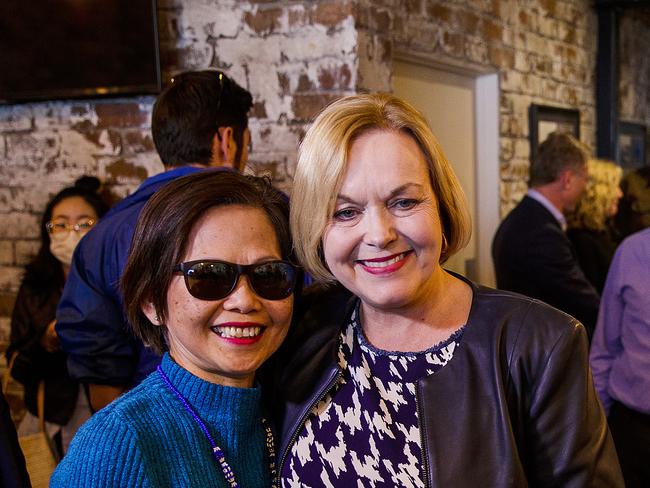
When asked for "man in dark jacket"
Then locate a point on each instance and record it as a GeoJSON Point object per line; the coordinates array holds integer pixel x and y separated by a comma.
{"type": "Point", "coordinates": [199, 121]}
{"type": "Point", "coordinates": [532, 254]}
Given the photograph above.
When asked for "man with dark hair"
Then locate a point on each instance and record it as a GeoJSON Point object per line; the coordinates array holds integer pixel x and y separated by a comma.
{"type": "Point", "coordinates": [531, 252]}
{"type": "Point", "coordinates": [199, 121]}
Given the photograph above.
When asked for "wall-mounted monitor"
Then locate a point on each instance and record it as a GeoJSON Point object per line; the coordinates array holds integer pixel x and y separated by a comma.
{"type": "Point", "coordinates": [54, 49]}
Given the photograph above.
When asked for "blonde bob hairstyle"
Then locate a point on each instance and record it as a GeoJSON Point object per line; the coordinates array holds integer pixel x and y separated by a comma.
{"type": "Point", "coordinates": [593, 209]}
{"type": "Point", "coordinates": [322, 164]}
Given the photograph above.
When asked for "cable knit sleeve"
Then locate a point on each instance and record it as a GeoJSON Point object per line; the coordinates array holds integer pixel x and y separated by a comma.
{"type": "Point", "coordinates": [104, 453]}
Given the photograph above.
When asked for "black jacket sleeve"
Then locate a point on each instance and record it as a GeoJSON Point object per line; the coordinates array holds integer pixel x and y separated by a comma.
{"type": "Point", "coordinates": [13, 473]}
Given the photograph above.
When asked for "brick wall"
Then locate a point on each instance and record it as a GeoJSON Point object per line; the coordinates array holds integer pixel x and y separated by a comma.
{"type": "Point", "coordinates": [294, 57]}
{"type": "Point", "coordinates": [544, 52]}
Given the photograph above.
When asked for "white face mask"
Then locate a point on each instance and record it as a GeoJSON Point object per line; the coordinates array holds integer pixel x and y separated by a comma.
{"type": "Point", "coordinates": [62, 245]}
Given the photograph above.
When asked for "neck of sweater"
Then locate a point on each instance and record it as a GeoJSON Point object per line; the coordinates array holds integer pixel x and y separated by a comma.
{"type": "Point", "coordinates": [233, 412]}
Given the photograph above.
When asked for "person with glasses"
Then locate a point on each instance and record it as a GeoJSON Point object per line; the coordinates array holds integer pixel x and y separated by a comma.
{"type": "Point", "coordinates": [34, 346]}
{"type": "Point", "coordinates": [199, 121]}
{"type": "Point", "coordinates": [413, 375]}
{"type": "Point", "coordinates": [210, 282]}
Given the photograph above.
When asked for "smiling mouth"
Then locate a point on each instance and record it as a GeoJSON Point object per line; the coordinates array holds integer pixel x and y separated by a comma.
{"type": "Point", "coordinates": [230, 332]}
{"type": "Point", "coordinates": [383, 262]}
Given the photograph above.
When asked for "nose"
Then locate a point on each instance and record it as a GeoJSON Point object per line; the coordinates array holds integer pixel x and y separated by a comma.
{"type": "Point", "coordinates": [242, 299]}
{"type": "Point", "coordinates": [380, 228]}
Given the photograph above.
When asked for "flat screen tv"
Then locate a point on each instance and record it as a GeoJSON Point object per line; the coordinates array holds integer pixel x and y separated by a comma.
{"type": "Point", "coordinates": [54, 49]}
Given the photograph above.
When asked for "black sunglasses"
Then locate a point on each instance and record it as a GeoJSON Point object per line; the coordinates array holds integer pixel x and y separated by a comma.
{"type": "Point", "coordinates": [209, 279]}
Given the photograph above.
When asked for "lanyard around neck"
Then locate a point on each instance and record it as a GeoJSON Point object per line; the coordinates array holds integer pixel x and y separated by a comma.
{"type": "Point", "coordinates": [217, 452]}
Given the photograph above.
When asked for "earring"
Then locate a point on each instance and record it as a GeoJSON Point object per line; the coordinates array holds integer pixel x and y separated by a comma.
{"type": "Point", "coordinates": [157, 318]}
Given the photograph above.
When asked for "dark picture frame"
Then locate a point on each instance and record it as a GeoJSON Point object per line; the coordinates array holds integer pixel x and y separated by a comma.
{"type": "Point", "coordinates": [544, 119]}
{"type": "Point", "coordinates": [631, 145]}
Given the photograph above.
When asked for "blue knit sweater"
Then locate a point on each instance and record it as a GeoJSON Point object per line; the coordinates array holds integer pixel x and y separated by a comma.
{"type": "Point", "coordinates": [147, 438]}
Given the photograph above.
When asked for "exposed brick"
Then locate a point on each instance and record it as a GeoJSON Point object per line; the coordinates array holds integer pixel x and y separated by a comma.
{"type": "Point", "coordinates": [284, 83]}
{"type": "Point", "coordinates": [26, 250]}
{"type": "Point", "coordinates": [7, 256]}
{"type": "Point", "coordinates": [453, 43]}
{"type": "Point", "coordinates": [502, 57]}
{"type": "Point", "coordinates": [298, 17]}
{"type": "Point", "coordinates": [304, 83]}
{"type": "Point", "coordinates": [124, 170]}
{"type": "Point", "coordinates": [331, 14]}
{"type": "Point", "coordinates": [549, 6]}
{"type": "Point", "coordinates": [113, 115]}
{"type": "Point", "coordinates": [381, 19]}
{"type": "Point", "coordinates": [135, 141]}
{"type": "Point", "coordinates": [492, 31]}
{"type": "Point", "coordinates": [264, 21]}
{"type": "Point", "coordinates": [413, 6]}
{"type": "Point", "coordinates": [335, 77]}
{"type": "Point", "coordinates": [438, 11]}
{"type": "Point", "coordinates": [19, 225]}
{"type": "Point", "coordinates": [10, 278]}
{"type": "Point", "coordinates": [259, 110]}
{"type": "Point", "coordinates": [468, 21]}
{"type": "Point", "coordinates": [7, 301]}
{"type": "Point", "coordinates": [507, 148]}
{"type": "Point", "coordinates": [305, 107]}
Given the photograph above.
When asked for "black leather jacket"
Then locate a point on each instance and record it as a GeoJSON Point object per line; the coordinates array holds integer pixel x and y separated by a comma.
{"type": "Point", "coordinates": [515, 406]}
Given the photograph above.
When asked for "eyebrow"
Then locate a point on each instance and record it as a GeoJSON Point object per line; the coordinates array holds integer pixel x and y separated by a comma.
{"type": "Point", "coordinates": [344, 198]}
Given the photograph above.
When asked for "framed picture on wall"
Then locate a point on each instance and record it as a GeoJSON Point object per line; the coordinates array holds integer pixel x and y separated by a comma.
{"type": "Point", "coordinates": [631, 145]}
{"type": "Point", "coordinates": [543, 120]}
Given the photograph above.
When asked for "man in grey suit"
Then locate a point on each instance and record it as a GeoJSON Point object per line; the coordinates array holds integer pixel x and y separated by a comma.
{"type": "Point", "coordinates": [532, 254]}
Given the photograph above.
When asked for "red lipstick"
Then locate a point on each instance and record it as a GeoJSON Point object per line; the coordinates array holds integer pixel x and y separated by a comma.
{"type": "Point", "coordinates": [399, 259]}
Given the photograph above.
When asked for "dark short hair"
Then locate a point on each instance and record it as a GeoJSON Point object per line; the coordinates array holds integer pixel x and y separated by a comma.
{"type": "Point", "coordinates": [559, 151]}
{"type": "Point", "coordinates": [188, 113]}
{"type": "Point", "coordinates": [161, 237]}
{"type": "Point", "coordinates": [45, 271]}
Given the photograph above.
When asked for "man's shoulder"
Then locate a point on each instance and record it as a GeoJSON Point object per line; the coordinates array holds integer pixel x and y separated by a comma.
{"type": "Point", "coordinates": [526, 220]}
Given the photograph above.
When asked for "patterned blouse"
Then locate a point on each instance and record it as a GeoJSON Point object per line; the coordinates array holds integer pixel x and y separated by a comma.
{"type": "Point", "coordinates": [365, 432]}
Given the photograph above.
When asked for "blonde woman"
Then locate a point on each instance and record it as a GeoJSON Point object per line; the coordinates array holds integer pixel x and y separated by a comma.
{"type": "Point", "coordinates": [590, 224]}
{"type": "Point", "coordinates": [416, 376]}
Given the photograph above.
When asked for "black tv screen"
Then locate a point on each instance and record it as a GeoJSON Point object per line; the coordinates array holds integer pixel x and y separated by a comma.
{"type": "Point", "coordinates": [53, 49]}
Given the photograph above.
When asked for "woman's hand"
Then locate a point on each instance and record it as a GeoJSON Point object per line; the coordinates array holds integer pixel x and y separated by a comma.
{"type": "Point", "coordinates": [50, 340]}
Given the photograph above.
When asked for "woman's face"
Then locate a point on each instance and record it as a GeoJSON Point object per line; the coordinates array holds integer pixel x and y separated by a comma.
{"type": "Point", "coordinates": [613, 208]}
{"type": "Point", "coordinates": [384, 240]}
{"type": "Point", "coordinates": [256, 326]}
{"type": "Point", "coordinates": [65, 214]}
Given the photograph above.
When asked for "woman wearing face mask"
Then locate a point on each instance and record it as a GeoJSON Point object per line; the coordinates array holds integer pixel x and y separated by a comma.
{"type": "Point", "coordinates": [34, 344]}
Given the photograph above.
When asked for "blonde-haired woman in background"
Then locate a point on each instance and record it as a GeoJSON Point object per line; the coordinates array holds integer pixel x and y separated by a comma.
{"type": "Point", "coordinates": [591, 227]}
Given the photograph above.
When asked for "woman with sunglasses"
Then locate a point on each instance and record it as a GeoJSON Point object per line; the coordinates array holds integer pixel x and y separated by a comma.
{"type": "Point", "coordinates": [34, 352]}
{"type": "Point", "coordinates": [421, 378]}
{"type": "Point", "coordinates": [209, 283]}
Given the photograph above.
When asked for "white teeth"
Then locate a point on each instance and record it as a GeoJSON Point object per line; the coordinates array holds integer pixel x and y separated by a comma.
{"type": "Point", "coordinates": [383, 264]}
{"type": "Point", "coordinates": [238, 331]}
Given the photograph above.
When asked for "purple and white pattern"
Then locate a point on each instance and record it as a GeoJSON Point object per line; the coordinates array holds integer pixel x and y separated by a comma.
{"type": "Point", "coordinates": [365, 432]}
